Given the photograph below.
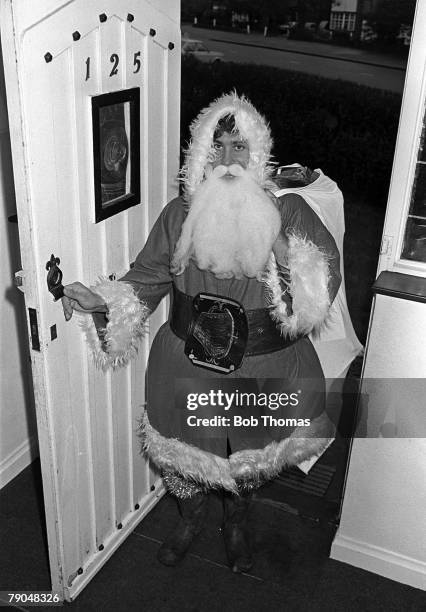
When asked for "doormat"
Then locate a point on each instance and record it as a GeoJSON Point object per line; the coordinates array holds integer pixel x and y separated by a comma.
{"type": "Point", "coordinates": [315, 483]}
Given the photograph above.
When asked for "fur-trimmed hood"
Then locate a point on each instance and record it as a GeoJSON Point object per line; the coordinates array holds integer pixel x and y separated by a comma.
{"type": "Point", "coordinates": [250, 124]}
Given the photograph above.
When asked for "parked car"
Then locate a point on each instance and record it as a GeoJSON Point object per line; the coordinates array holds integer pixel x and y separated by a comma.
{"type": "Point", "coordinates": [292, 30]}
{"type": "Point", "coordinates": [287, 28]}
{"type": "Point", "coordinates": [191, 46]}
{"type": "Point", "coordinates": [367, 34]}
{"type": "Point", "coordinates": [310, 26]}
{"type": "Point", "coordinates": [404, 35]}
{"type": "Point", "coordinates": [323, 32]}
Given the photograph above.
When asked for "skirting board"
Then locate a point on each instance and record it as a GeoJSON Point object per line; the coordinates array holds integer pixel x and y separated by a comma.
{"type": "Point", "coordinates": [18, 460]}
{"type": "Point", "coordinates": [379, 561]}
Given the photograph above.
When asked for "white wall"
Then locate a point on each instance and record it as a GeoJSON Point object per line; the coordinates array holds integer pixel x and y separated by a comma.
{"type": "Point", "coordinates": [17, 422]}
{"type": "Point", "coordinates": [383, 524]}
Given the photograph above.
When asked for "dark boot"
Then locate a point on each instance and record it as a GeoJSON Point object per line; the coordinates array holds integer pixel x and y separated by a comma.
{"type": "Point", "coordinates": [193, 512]}
{"type": "Point", "coordinates": [234, 532]}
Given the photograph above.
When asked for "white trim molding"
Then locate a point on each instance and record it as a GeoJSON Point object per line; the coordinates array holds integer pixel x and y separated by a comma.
{"type": "Point", "coordinates": [379, 561]}
{"type": "Point", "coordinates": [18, 460]}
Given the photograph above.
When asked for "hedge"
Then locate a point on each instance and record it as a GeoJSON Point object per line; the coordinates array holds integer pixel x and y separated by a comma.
{"type": "Point", "coordinates": [347, 130]}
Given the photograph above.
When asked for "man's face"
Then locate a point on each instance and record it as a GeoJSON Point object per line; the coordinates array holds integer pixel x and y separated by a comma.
{"type": "Point", "coordinates": [232, 222]}
{"type": "Point", "coordinates": [230, 149]}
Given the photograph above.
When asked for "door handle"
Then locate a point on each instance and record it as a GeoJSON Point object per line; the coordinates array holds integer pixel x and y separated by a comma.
{"type": "Point", "coordinates": [54, 277]}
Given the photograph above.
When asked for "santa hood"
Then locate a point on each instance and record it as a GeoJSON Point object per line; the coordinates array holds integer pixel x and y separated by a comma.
{"type": "Point", "coordinates": [251, 126]}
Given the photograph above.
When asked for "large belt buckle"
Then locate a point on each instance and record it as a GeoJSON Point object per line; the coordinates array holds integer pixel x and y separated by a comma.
{"type": "Point", "coordinates": [218, 333]}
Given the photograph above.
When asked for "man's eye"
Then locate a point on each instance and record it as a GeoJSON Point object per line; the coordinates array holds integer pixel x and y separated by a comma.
{"type": "Point", "coordinates": [217, 146]}
{"type": "Point", "coordinates": [240, 147]}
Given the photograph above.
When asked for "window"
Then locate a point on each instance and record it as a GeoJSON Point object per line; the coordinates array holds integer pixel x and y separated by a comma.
{"type": "Point", "coordinates": [342, 21]}
{"type": "Point", "coordinates": [414, 247]}
{"type": "Point", "coordinates": [350, 21]}
{"type": "Point", "coordinates": [116, 144]}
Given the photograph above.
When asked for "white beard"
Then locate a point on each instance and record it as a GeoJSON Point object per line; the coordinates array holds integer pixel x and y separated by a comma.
{"type": "Point", "coordinates": [230, 228]}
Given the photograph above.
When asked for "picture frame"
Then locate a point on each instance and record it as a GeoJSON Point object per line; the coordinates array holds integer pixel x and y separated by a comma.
{"type": "Point", "coordinates": [116, 151]}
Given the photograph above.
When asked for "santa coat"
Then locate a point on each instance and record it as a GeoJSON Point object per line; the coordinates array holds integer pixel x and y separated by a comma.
{"type": "Point", "coordinates": [337, 344]}
{"type": "Point", "coordinates": [298, 305]}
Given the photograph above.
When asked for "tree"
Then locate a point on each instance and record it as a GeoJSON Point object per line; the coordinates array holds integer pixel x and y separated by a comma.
{"type": "Point", "coordinates": [390, 14]}
{"type": "Point", "coordinates": [194, 8]}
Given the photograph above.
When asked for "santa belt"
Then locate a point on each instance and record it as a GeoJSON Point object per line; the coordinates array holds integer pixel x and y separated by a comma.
{"type": "Point", "coordinates": [263, 336]}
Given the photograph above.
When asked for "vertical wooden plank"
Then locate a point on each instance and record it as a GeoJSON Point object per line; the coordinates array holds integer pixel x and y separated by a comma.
{"type": "Point", "coordinates": [173, 118]}
{"type": "Point", "coordinates": [87, 83]}
{"type": "Point", "coordinates": [138, 226]}
{"type": "Point", "coordinates": [113, 77]}
{"type": "Point", "coordinates": [136, 45]}
{"type": "Point", "coordinates": [113, 60]}
{"type": "Point", "coordinates": [157, 158]}
{"type": "Point", "coordinates": [171, 143]}
{"type": "Point", "coordinates": [157, 162]}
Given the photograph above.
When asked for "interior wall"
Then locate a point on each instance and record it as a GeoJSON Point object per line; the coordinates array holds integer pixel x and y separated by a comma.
{"type": "Point", "coordinates": [18, 445]}
{"type": "Point", "coordinates": [383, 525]}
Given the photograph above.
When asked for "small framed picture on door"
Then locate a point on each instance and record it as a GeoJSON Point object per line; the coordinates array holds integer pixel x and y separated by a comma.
{"type": "Point", "coordinates": [116, 151]}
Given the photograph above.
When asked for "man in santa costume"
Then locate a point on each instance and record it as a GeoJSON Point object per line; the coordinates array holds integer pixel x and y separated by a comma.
{"type": "Point", "coordinates": [251, 277]}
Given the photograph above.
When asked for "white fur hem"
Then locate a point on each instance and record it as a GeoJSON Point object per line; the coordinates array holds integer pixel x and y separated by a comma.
{"type": "Point", "coordinates": [126, 317]}
{"type": "Point", "coordinates": [303, 444]}
{"type": "Point", "coordinates": [189, 461]}
{"type": "Point", "coordinates": [217, 472]}
{"type": "Point", "coordinates": [308, 288]}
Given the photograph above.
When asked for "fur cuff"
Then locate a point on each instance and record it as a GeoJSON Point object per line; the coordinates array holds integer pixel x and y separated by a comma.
{"type": "Point", "coordinates": [126, 317]}
{"type": "Point", "coordinates": [308, 287]}
{"type": "Point", "coordinates": [192, 463]}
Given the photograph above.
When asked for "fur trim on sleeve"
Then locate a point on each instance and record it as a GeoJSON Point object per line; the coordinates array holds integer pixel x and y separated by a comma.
{"type": "Point", "coordinates": [308, 287]}
{"type": "Point", "coordinates": [126, 318]}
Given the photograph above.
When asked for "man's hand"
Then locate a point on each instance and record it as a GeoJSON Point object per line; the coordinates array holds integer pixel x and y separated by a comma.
{"type": "Point", "coordinates": [79, 297]}
{"type": "Point", "coordinates": [280, 249]}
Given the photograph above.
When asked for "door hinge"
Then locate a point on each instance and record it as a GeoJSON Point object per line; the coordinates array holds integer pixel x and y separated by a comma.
{"type": "Point", "coordinates": [19, 280]}
{"type": "Point", "coordinates": [386, 246]}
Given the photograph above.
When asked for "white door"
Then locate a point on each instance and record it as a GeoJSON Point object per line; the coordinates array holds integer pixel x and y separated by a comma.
{"type": "Point", "coordinates": [60, 56]}
{"type": "Point", "coordinates": [403, 246]}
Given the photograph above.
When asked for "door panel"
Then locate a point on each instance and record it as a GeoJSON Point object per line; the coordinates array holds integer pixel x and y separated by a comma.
{"type": "Point", "coordinates": [96, 485]}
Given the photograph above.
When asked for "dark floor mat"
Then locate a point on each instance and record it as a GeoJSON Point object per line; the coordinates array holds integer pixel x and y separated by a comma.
{"type": "Point", "coordinates": [315, 483]}
{"type": "Point", "coordinates": [317, 495]}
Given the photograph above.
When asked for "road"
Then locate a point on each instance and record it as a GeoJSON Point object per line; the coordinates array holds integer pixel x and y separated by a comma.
{"type": "Point", "coordinates": [330, 61]}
